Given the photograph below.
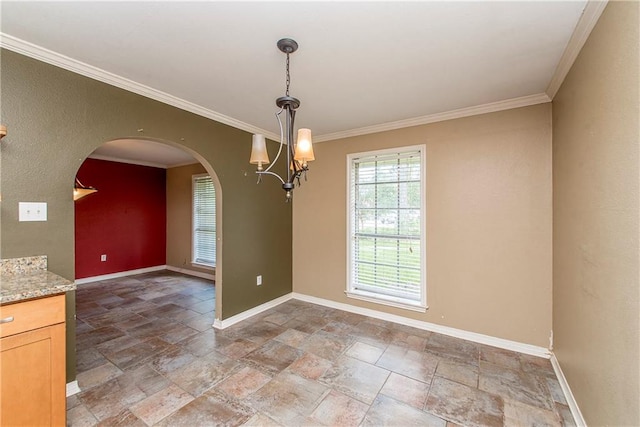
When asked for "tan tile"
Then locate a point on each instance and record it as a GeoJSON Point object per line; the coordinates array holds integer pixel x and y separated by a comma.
{"type": "Point", "coordinates": [202, 374]}
{"type": "Point", "coordinates": [110, 398]}
{"type": "Point", "coordinates": [205, 342]}
{"type": "Point", "coordinates": [204, 306]}
{"type": "Point", "coordinates": [292, 337]}
{"type": "Point", "coordinates": [98, 336]}
{"type": "Point", "coordinates": [464, 405]}
{"type": "Point", "coordinates": [238, 348]}
{"type": "Point", "coordinates": [365, 352]}
{"type": "Point", "coordinates": [453, 349]}
{"type": "Point", "coordinates": [260, 332]}
{"type": "Point", "coordinates": [386, 411]}
{"type": "Point", "coordinates": [501, 357]}
{"type": "Point", "coordinates": [414, 364]}
{"type": "Point", "coordinates": [261, 420]}
{"type": "Point", "coordinates": [186, 315]}
{"type": "Point", "coordinates": [565, 415]}
{"type": "Point", "coordinates": [514, 384]}
{"type": "Point", "coordinates": [310, 366]}
{"type": "Point", "coordinates": [131, 322]}
{"type": "Point", "coordinates": [287, 397]}
{"type": "Point", "coordinates": [80, 416]}
{"type": "Point", "coordinates": [338, 328]}
{"type": "Point", "coordinates": [336, 409]}
{"type": "Point", "coordinates": [179, 333]}
{"type": "Point", "coordinates": [277, 318]}
{"type": "Point", "coordinates": [355, 378]}
{"type": "Point", "coordinates": [307, 324]}
{"type": "Point", "coordinates": [200, 323]}
{"type": "Point", "coordinates": [171, 360]}
{"type": "Point", "coordinates": [537, 365]}
{"type": "Point", "coordinates": [157, 406]}
{"type": "Point", "coordinates": [138, 354]}
{"type": "Point", "coordinates": [89, 358]}
{"type": "Point", "coordinates": [556, 391]}
{"type": "Point", "coordinates": [73, 401]}
{"type": "Point", "coordinates": [273, 356]}
{"type": "Point", "coordinates": [371, 333]}
{"type": "Point", "coordinates": [243, 383]}
{"type": "Point", "coordinates": [143, 378]}
{"type": "Point", "coordinates": [152, 329]}
{"type": "Point", "coordinates": [407, 390]}
{"type": "Point", "coordinates": [97, 375]}
{"type": "Point", "coordinates": [310, 391]}
{"type": "Point", "coordinates": [413, 342]}
{"type": "Point", "coordinates": [326, 345]}
{"type": "Point", "coordinates": [209, 410]}
{"type": "Point", "coordinates": [124, 419]}
{"type": "Point", "coordinates": [118, 344]}
{"type": "Point", "coordinates": [458, 372]}
{"type": "Point", "coordinates": [518, 414]}
{"type": "Point", "coordinates": [351, 319]}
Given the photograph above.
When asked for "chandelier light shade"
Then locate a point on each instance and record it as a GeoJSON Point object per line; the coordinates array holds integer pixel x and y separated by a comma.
{"type": "Point", "coordinates": [259, 154]}
{"type": "Point", "coordinates": [298, 154]}
{"type": "Point", "coordinates": [304, 147]}
{"type": "Point", "coordinates": [80, 191]}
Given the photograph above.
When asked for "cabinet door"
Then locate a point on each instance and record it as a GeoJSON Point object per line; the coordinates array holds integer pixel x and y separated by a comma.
{"type": "Point", "coordinates": [32, 378]}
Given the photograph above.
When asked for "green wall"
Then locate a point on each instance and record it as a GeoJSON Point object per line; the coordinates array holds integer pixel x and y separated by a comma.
{"type": "Point", "coordinates": [56, 118]}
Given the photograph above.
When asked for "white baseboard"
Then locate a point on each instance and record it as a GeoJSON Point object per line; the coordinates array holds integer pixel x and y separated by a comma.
{"type": "Point", "coordinates": [119, 274]}
{"type": "Point", "coordinates": [571, 400]}
{"type": "Point", "coordinates": [202, 275]}
{"type": "Point", "coordinates": [222, 324]}
{"type": "Point", "coordinates": [445, 330]}
{"type": "Point", "coordinates": [73, 388]}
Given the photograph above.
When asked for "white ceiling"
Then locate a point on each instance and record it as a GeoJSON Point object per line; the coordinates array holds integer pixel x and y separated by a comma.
{"type": "Point", "coordinates": [361, 66]}
{"type": "Point", "coordinates": [143, 152]}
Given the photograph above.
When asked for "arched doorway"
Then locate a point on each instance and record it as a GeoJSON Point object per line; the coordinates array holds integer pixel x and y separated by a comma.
{"type": "Point", "coordinates": [136, 157]}
{"type": "Point", "coordinates": [137, 213]}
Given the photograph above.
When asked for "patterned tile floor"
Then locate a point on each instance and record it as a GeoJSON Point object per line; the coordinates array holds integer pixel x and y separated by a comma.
{"type": "Point", "coordinates": [147, 355]}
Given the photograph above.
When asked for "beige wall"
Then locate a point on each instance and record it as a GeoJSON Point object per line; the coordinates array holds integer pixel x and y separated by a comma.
{"type": "Point", "coordinates": [488, 222]}
{"type": "Point", "coordinates": [179, 217]}
{"type": "Point", "coordinates": [596, 313]}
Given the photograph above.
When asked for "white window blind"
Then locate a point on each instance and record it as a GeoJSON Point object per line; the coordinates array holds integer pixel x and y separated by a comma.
{"type": "Point", "coordinates": [386, 225]}
{"type": "Point", "coordinates": [204, 221]}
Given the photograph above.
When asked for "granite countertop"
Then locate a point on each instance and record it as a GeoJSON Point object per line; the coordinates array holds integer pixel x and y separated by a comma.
{"type": "Point", "coordinates": [25, 278]}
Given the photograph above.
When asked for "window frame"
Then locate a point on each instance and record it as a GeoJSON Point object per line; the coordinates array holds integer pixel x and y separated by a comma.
{"type": "Point", "coordinates": [194, 261]}
{"type": "Point", "coordinates": [378, 298]}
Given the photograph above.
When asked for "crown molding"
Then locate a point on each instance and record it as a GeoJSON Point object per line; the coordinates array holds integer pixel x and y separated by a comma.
{"type": "Point", "coordinates": [45, 55]}
{"type": "Point", "coordinates": [587, 21]}
{"type": "Point", "coordinates": [50, 57]}
{"type": "Point", "coordinates": [492, 107]}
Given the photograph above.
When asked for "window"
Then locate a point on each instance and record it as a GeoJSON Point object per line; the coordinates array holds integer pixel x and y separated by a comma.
{"type": "Point", "coordinates": [204, 221]}
{"type": "Point", "coordinates": [386, 227]}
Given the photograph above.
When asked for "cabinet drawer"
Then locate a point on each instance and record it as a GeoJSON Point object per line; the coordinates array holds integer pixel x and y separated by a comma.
{"type": "Point", "coordinates": [29, 315]}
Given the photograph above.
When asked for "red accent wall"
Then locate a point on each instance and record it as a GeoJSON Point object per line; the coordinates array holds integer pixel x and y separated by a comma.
{"type": "Point", "coordinates": [126, 218]}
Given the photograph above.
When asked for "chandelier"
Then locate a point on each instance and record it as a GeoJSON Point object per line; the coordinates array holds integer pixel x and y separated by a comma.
{"type": "Point", "coordinates": [299, 155]}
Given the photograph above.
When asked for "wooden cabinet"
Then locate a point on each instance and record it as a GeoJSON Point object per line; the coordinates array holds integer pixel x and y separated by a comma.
{"type": "Point", "coordinates": [32, 363]}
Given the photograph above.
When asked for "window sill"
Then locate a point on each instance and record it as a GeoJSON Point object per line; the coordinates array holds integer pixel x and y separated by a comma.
{"type": "Point", "coordinates": [203, 266]}
{"type": "Point", "coordinates": [390, 301]}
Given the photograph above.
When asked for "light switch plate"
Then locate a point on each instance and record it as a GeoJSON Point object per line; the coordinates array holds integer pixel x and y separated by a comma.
{"type": "Point", "coordinates": [32, 211]}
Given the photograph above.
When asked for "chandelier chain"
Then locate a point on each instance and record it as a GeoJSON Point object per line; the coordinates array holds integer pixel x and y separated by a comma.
{"type": "Point", "coordinates": [288, 81]}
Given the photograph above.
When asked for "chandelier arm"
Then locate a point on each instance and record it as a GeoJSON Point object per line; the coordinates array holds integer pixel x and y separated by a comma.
{"type": "Point", "coordinates": [281, 142]}
{"type": "Point", "coordinates": [260, 173]}
{"type": "Point", "coordinates": [289, 126]}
